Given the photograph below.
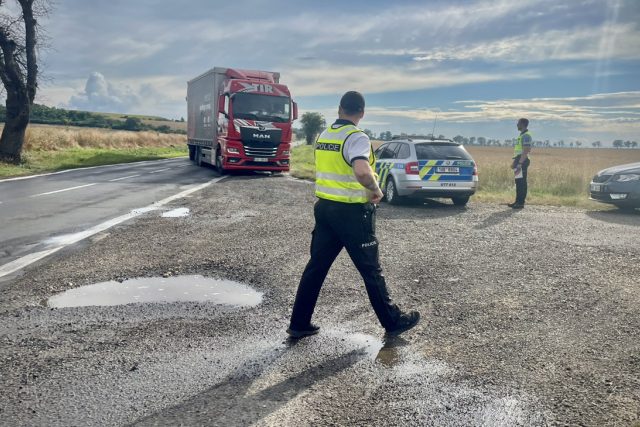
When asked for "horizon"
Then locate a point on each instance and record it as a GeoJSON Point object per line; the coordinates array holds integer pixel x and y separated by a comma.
{"type": "Point", "coordinates": [568, 66]}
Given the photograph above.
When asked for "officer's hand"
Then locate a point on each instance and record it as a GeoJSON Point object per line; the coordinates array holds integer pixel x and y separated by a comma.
{"type": "Point", "coordinates": [375, 196]}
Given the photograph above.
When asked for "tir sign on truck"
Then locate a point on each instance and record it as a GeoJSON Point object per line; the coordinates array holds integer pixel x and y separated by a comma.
{"type": "Point", "coordinates": [240, 119]}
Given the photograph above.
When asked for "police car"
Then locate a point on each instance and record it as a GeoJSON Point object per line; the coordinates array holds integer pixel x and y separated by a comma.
{"type": "Point", "coordinates": [426, 168]}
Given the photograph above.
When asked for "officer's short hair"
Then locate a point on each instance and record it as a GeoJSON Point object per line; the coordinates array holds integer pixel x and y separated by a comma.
{"type": "Point", "coordinates": [352, 102]}
{"type": "Point", "coordinates": [524, 121]}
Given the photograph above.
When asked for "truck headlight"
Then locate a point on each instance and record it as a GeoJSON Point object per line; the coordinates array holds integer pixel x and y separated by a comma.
{"type": "Point", "coordinates": [285, 152]}
{"type": "Point", "coordinates": [232, 150]}
{"type": "Point", "coordinates": [628, 177]}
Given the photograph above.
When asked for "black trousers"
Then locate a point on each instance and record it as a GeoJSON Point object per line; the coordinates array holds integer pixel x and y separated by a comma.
{"type": "Point", "coordinates": [521, 183]}
{"type": "Point", "coordinates": [350, 226]}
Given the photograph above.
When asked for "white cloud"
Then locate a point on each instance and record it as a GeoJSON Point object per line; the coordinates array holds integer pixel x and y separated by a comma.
{"type": "Point", "coordinates": [325, 78]}
{"type": "Point", "coordinates": [153, 95]}
{"type": "Point", "coordinates": [575, 44]}
{"type": "Point", "coordinates": [582, 114]}
{"type": "Point", "coordinates": [100, 95]}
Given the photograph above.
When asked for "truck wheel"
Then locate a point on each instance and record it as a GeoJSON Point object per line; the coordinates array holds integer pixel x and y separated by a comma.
{"type": "Point", "coordinates": [219, 166]}
{"type": "Point", "coordinates": [391, 193]}
{"type": "Point", "coordinates": [198, 156]}
{"type": "Point", "coordinates": [460, 201]}
{"type": "Point", "coordinates": [192, 153]}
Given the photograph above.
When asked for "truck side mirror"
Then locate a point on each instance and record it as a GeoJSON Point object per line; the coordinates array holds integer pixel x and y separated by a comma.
{"type": "Point", "coordinates": [295, 110]}
{"type": "Point", "coordinates": [221, 105]}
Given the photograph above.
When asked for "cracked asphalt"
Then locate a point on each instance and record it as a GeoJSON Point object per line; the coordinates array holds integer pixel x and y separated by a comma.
{"type": "Point", "coordinates": [528, 318]}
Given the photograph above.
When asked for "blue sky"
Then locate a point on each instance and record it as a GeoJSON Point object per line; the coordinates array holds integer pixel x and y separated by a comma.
{"type": "Point", "coordinates": [570, 66]}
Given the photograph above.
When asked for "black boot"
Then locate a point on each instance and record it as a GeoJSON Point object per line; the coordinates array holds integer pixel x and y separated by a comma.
{"type": "Point", "coordinates": [405, 322]}
{"type": "Point", "coordinates": [311, 329]}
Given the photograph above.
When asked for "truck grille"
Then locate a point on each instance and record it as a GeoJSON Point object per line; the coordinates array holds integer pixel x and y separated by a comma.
{"type": "Point", "coordinates": [601, 178]}
{"type": "Point", "coordinates": [260, 151]}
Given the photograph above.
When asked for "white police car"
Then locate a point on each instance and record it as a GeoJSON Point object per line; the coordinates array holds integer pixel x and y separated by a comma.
{"type": "Point", "coordinates": [426, 168]}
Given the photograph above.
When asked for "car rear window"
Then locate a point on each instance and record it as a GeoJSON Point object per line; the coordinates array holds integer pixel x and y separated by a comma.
{"type": "Point", "coordinates": [441, 152]}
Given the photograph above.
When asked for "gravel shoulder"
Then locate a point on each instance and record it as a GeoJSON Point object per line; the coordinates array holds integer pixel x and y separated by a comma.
{"type": "Point", "coordinates": [529, 318]}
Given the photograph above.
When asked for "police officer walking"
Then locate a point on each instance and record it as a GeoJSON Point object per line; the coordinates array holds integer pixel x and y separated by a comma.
{"type": "Point", "coordinates": [520, 164]}
{"type": "Point", "coordinates": [344, 213]}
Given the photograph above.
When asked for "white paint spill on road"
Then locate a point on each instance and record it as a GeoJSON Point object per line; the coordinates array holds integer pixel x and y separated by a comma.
{"type": "Point", "coordinates": [176, 213]}
{"type": "Point", "coordinates": [68, 239]}
{"type": "Point", "coordinates": [159, 289]}
{"type": "Point", "coordinates": [64, 189]}
{"type": "Point", "coordinates": [124, 177]}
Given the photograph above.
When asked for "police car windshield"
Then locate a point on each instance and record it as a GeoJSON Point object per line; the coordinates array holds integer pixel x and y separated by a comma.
{"type": "Point", "coordinates": [267, 108]}
{"type": "Point", "coordinates": [441, 152]}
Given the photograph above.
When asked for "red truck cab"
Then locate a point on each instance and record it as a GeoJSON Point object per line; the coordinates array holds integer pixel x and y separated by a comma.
{"type": "Point", "coordinates": [240, 120]}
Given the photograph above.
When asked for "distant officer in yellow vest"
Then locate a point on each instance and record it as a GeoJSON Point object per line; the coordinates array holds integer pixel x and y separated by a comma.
{"type": "Point", "coordinates": [520, 164]}
{"type": "Point", "coordinates": [347, 190]}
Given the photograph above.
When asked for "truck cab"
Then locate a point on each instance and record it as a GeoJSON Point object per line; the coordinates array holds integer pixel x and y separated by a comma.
{"type": "Point", "coordinates": [240, 120]}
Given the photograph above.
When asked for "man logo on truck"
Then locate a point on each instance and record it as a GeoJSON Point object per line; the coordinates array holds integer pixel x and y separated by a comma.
{"type": "Point", "coordinates": [261, 136]}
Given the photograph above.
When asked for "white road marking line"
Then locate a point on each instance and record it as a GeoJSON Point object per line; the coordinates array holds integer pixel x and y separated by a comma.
{"type": "Point", "coordinates": [19, 178]}
{"type": "Point", "coordinates": [160, 170]}
{"type": "Point", "coordinates": [124, 177]}
{"type": "Point", "coordinates": [64, 189]}
{"type": "Point", "coordinates": [19, 263]}
{"type": "Point", "coordinates": [68, 239]}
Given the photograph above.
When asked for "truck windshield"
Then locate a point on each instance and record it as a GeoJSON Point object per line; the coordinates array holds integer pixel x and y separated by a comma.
{"type": "Point", "coordinates": [261, 107]}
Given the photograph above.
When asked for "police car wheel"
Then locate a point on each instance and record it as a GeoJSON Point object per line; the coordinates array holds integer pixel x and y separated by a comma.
{"type": "Point", "coordinates": [391, 193]}
{"type": "Point", "coordinates": [460, 201]}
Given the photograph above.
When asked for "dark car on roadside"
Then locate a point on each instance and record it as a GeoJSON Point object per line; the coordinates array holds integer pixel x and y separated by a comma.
{"type": "Point", "coordinates": [618, 185]}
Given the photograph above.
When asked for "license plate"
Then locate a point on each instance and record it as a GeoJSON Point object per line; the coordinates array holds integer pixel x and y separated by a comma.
{"type": "Point", "coordinates": [596, 187]}
{"type": "Point", "coordinates": [447, 184]}
{"type": "Point", "coordinates": [260, 159]}
{"type": "Point", "coordinates": [447, 169]}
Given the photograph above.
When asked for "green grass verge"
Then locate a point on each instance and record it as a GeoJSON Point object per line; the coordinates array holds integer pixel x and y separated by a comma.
{"type": "Point", "coordinates": [36, 162]}
{"type": "Point", "coordinates": [496, 184]}
{"type": "Point", "coordinates": [302, 162]}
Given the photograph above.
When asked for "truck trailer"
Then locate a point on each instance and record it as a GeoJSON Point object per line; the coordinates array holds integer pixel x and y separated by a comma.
{"type": "Point", "coordinates": [240, 120]}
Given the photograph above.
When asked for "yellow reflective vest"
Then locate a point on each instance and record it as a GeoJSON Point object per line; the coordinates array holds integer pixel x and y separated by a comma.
{"type": "Point", "coordinates": [334, 175]}
{"type": "Point", "coordinates": [517, 150]}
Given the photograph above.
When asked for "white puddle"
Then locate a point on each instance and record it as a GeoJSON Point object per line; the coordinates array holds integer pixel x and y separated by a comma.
{"type": "Point", "coordinates": [176, 213]}
{"type": "Point", "coordinates": [159, 289]}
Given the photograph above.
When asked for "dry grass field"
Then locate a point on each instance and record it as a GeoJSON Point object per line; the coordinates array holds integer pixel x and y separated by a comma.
{"type": "Point", "coordinates": [556, 175]}
{"type": "Point", "coordinates": [51, 148]}
{"type": "Point", "coordinates": [57, 138]}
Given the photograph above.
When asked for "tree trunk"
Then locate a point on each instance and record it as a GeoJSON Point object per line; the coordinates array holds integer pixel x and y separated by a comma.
{"type": "Point", "coordinates": [18, 108]}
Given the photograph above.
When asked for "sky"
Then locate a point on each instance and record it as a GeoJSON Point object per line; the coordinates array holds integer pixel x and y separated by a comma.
{"type": "Point", "coordinates": [472, 68]}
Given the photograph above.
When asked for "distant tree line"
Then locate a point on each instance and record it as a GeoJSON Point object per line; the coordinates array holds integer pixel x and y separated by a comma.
{"type": "Point", "coordinates": [313, 123]}
{"type": "Point", "coordinates": [488, 142]}
{"type": "Point", "coordinates": [59, 116]}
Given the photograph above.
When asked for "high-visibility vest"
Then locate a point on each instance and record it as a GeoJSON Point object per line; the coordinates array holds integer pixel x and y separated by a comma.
{"type": "Point", "coordinates": [517, 149]}
{"type": "Point", "coordinates": [334, 175]}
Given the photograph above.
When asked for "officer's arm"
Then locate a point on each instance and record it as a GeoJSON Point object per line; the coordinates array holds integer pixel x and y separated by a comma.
{"type": "Point", "coordinates": [525, 154]}
{"type": "Point", "coordinates": [364, 174]}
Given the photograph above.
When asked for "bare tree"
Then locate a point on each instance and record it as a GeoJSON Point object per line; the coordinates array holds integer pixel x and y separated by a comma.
{"type": "Point", "coordinates": [18, 71]}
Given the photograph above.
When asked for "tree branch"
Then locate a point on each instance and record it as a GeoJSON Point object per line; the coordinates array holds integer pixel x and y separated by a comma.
{"type": "Point", "coordinates": [11, 75]}
{"type": "Point", "coordinates": [30, 44]}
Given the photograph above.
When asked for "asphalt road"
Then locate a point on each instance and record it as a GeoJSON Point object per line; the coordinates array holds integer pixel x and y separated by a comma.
{"type": "Point", "coordinates": [529, 318]}
{"type": "Point", "coordinates": [36, 209]}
